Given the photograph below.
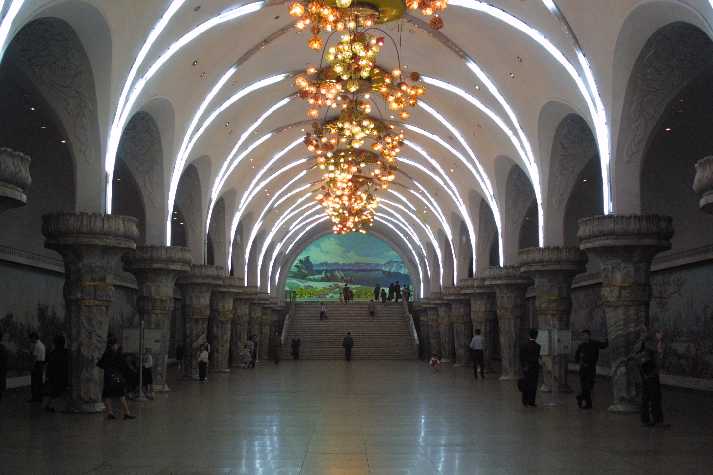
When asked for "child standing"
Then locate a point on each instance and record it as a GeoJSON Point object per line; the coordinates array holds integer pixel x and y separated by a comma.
{"type": "Point", "coordinates": [203, 363]}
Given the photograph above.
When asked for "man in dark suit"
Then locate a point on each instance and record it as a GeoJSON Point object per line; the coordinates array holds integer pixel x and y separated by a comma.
{"type": "Point", "coordinates": [530, 364]}
{"type": "Point", "coordinates": [587, 356]}
{"type": "Point", "coordinates": [347, 344]}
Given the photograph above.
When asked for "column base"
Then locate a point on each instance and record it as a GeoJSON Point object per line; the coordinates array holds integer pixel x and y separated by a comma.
{"type": "Point", "coordinates": [222, 370]}
{"type": "Point", "coordinates": [624, 407]}
{"type": "Point", "coordinates": [508, 377]}
{"type": "Point", "coordinates": [161, 388]}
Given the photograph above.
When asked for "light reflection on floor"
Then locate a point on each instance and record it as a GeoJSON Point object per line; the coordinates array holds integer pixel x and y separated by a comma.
{"type": "Point", "coordinates": [332, 418]}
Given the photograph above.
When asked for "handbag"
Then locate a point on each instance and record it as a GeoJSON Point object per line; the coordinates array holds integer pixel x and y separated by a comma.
{"type": "Point", "coordinates": [116, 382]}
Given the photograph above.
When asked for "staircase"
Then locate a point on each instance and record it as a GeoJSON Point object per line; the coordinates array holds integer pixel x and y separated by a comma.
{"type": "Point", "coordinates": [386, 337]}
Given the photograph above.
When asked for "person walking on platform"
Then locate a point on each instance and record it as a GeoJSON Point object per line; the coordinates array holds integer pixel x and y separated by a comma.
{"type": "Point", "coordinates": [38, 367]}
{"type": "Point", "coordinates": [377, 292]}
{"type": "Point", "coordinates": [397, 292]}
{"type": "Point", "coordinates": [383, 296]}
{"type": "Point", "coordinates": [322, 311]}
{"type": "Point", "coordinates": [651, 355]}
{"type": "Point", "coordinates": [372, 309]}
{"type": "Point", "coordinates": [530, 364]}
{"type": "Point", "coordinates": [391, 291]}
{"type": "Point", "coordinates": [348, 344]}
{"type": "Point", "coordinates": [476, 350]}
{"type": "Point", "coordinates": [296, 342]}
{"type": "Point", "coordinates": [587, 356]}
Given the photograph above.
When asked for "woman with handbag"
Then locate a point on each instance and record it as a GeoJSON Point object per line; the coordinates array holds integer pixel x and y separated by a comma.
{"type": "Point", "coordinates": [115, 369]}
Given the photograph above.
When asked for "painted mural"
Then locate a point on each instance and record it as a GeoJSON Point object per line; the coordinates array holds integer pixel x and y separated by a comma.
{"type": "Point", "coordinates": [360, 260]}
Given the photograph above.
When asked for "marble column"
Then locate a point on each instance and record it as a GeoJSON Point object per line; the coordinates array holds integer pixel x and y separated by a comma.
{"type": "Point", "coordinates": [483, 316]}
{"type": "Point", "coordinates": [445, 329]}
{"type": "Point", "coordinates": [196, 287]}
{"type": "Point", "coordinates": [433, 328]}
{"type": "Point", "coordinates": [241, 316]}
{"type": "Point", "coordinates": [265, 329]}
{"type": "Point", "coordinates": [423, 330]}
{"type": "Point", "coordinates": [703, 183]}
{"type": "Point", "coordinates": [457, 320]}
{"type": "Point", "coordinates": [91, 246]}
{"type": "Point", "coordinates": [552, 269]}
{"type": "Point", "coordinates": [14, 178]}
{"type": "Point", "coordinates": [156, 269]}
{"type": "Point", "coordinates": [625, 247]}
{"type": "Point", "coordinates": [510, 287]}
{"type": "Point", "coordinates": [223, 310]}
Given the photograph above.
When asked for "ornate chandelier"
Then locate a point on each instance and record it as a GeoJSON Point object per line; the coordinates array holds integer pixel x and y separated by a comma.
{"type": "Point", "coordinates": [355, 151]}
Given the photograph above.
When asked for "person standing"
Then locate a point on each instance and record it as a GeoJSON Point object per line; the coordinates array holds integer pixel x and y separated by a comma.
{"type": "Point", "coordinates": [57, 371]}
{"type": "Point", "coordinates": [397, 291]}
{"type": "Point", "coordinates": [253, 351]}
{"type": "Point", "coordinates": [38, 367]}
{"type": "Point", "coordinates": [652, 350]}
{"type": "Point", "coordinates": [147, 373]}
{"type": "Point", "coordinates": [377, 292]}
{"type": "Point", "coordinates": [372, 309]}
{"type": "Point", "coordinates": [406, 293]}
{"type": "Point", "coordinates": [476, 351]}
{"type": "Point", "coordinates": [587, 355]}
{"type": "Point", "coordinates": [296, 348]}
{"type": "Point", "coordinates": [348, 344]}
{"type": "Point", "coordinates": [275, 343]}
{"type": "Point", "coordinates": [391, 292]}
{"type": "Point", "coordinates": [322, 311]}
{"type": "Point", "coordinates": [345, 293]}
{"type": "Point", "coordinates": [203, 356]}
{"type": "Point", "coordinates": [383, 296]}
{"type": "Point", "coordinates": [530, 364]}
{"type": "Point", "coordinates": [179, 356]}
{"type": "Point", "coordinates": [3, 366]}
{"type": "Point", "coordinates": [114, 366]}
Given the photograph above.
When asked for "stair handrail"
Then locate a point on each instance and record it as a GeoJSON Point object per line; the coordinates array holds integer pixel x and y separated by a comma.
{"type": "Point", "coordinates": [292, 306]}
{"type": "Point", "coordinates": [410, 323]}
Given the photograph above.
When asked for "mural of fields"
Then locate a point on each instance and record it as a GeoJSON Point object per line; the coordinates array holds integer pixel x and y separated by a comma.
{"type": "Point", "coordinates": [360, 260]}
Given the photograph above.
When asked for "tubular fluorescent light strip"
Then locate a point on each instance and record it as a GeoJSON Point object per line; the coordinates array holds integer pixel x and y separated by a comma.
{"type": "Point", "coordinates": [274, 231]}
{"type": "Point", "coordinates": [276, 251]}
{"type": "Point", "coordinates": [190, 139]}
{"type": "Point", "coordinates": [427, 230]}
{"type": "Point", "coordinates": [265, 210]}
{"type": "Point", "coordinates": [6, 23]}
{"type": "Point", "coordinates": [413, 236]}
{"type": "Point", "coordinates": [435, 209]}
{"type": "Point", "coordinates": [595, 106]}
{"type": "Point", "coordinates": [236, 218]}
{"type": "Point", "coordinates": [299, 236]}
{"type": "Point", "coordinates": [522, 145]}
{"type": "Point", "coordinates": [452, 191]}
{"type": "Point", "coordinates": [403, 238]}
{"type": "Point", "coordinates": [456, 133]}
{"type": "Point", "coordinates": [124, 107]}
{"type": "Point", "coordinates": [221, 180]}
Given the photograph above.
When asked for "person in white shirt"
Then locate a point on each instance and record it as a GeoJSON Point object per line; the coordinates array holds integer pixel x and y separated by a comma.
{"type": "Point", "coordinates": [38, 367]}
{"type": "Point", "coordinates": [147, 373]}
{"type": "Point", "coordinates": [476, 350]}
{"type": "Point", "coordinates": [203, 363]}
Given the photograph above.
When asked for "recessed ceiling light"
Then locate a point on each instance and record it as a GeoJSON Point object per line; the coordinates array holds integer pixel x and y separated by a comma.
{"type": "Point", "coordinates": [32, 108]}
{"type": "Point", "coordinates": [227, 124]}
{"type": "Point", "coordinates": [43, 126]}
{"type": "Point", "coordinates": [196, 8]}
{"type": "Point", "coordinates": [63, 141]}
{"type": "Point", "coordinates": [584, 180]}
{"type": "Point", "coordinates": [668, 129]}
{"type": "Point", "coordinates": [511, 75]}
{"type": "Point", "coordinates": [195, 62]}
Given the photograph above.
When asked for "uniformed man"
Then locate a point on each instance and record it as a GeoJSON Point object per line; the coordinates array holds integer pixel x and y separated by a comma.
{"type": "Point", "coordinates": [587, 356]}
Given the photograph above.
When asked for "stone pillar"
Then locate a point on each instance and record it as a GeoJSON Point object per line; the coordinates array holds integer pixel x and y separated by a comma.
{"type": "Point", "coordinates": [14, 178]}
{"type": "Point", "coordinates": [241, 316]}
{"type": "Point", "coordinates": [552, 270]}
{"type": "Point", "coordinates": [483, 316]}
{"type": "Point", "coordinates": [196, 287]}
{"type": "Point", "coordinates": [156, 269]}
{"type": "Point", "coordinates": [457, 319]}
{"type": "Point", "coordinates": [423, 329]}
{"type": "Point", "coordinates": [445, 330]}
{"type": "Point", "coordinates": [434, 333]}
{"type": "Point", "coordinates": [265, 329]}
{"type": "Point", "coordinates": [92, 246]}
{"type": "Point", "coordinates": [222, 305]}
{"type": "Point", "coordinates": [625, 246]}
{"type": "Point", "coordinates": [510, 287]}
{"type": "Point", "coordinates": [703, 184]}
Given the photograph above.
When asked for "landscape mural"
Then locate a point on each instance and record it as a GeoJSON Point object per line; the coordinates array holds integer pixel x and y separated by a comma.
{"type": "Point", "coordinates": [360, 260]}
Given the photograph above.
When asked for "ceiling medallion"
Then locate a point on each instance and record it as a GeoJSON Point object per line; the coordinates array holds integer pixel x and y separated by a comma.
{"type": "Point", "coordinates": [354, 147]}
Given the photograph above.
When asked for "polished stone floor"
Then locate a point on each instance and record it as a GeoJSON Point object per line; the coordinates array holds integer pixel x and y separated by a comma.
{"type": "Point", "coordinates": [313, 417]}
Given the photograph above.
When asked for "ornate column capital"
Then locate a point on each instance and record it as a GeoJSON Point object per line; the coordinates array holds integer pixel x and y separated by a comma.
{"type": "Point", "coordinates": [703, 183]}
{"type": "Point", "coordinates": [146, 259]}
{"type": "Point", "coordinates": [507, 276]}
{"type": "Point", "coordinates": [617, 233]}
{"type": "Point", "coordinates": [14, 178]}
{"type": "Point", "coordinates": [89, 229]}
{"type": "Point", "coordinates": [570, 260]}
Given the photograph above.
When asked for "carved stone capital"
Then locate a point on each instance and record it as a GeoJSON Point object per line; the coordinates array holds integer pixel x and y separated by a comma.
{"type": "Point", "coordinates": [703, 183]}
{"type": "Point", "coordinates": [602, 234]}
{"type": "Point", "coordinates": [505, 276]}
{"type": "Point", "coordinates": [159, 258]}
{"type": "Point", "coordinates": [89, 229]}
{"type": "Point", "coordinates": [14, 178]}
{"type": "Point", "coordinates": [552, 259]}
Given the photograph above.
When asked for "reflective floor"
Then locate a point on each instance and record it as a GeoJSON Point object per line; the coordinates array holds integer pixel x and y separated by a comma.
{"type": "Point", "coordinates": [334, 418]}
